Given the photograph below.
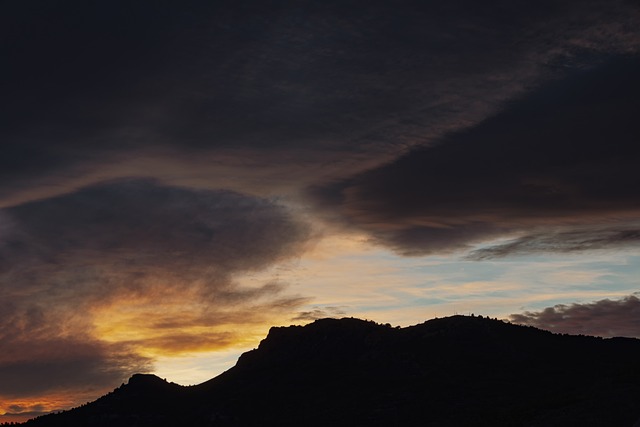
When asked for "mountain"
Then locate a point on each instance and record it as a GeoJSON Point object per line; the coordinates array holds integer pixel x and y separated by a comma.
{"type": "Point", "coordinates": [455, 371]}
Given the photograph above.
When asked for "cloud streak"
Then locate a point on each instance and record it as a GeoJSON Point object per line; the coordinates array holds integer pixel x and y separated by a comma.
{"type": "Point", "coordinates": [319, 313]}
{"type": "Point", "coordinates": [561, 242]}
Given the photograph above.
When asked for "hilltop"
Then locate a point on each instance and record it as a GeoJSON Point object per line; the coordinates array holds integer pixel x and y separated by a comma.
{"type": "Point", "coordinates": [455, 371]}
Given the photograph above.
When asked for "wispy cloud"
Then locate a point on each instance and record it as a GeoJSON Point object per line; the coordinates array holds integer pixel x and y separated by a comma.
{"type": "Point", "coordinates": [561, 242]}
{"type": "Point", "coordinates": [319, 313]}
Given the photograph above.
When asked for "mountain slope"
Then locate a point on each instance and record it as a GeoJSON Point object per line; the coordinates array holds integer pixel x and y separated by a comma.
{"type": "Point", "coordinates": [456, 371]}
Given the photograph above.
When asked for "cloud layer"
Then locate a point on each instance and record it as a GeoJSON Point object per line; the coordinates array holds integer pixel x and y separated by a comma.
{"type": "Point", "coordinates": [345, 84]}
{"type": "Point", "coordinates": [153, 155]}
{"type": "Point", "coordinates": [605, 318]}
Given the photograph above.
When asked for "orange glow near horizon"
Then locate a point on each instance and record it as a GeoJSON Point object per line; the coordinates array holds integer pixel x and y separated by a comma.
{"type": "Point", "coordinates": [22, 409]}
{"type": "Point", "coordinates": [189, 340]}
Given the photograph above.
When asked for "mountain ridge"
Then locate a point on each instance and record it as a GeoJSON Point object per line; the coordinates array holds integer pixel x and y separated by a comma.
{"type": "Point", "coordinates": [459, 370]}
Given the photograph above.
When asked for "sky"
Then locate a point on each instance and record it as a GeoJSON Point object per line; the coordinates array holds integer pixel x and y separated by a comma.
{"type": "Point", "coordinates": [178, 177]}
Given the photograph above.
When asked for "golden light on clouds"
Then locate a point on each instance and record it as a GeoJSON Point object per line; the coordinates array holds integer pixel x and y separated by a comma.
{"type": "Point", "coordinates": [181, 328]}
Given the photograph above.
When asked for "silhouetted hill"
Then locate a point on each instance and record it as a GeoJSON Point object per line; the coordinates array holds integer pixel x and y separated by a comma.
{"type": "Point", "coordinates": [455, 371]}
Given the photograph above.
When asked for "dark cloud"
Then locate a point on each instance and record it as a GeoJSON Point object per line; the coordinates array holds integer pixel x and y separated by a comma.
{"type": "Point", "coordinates": [90, 84]}
{"type": "Point", "coordinates": [556, 161]}
{"type": "Point", "coordinates": [155, 260]}
{"type": "Point", "coordinates": [138, 224]}
{"type": "Point", "coordinates": [605, 318]}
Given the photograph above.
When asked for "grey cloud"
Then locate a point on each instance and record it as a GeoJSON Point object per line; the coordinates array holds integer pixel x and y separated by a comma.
{"type": "Point", "coordinates": [140, 238]}
{"type": "Point", "coordinates": [605, 318]}
{"type": "Point", "coordinates": [558, 160]}
{"type": "Point", "coordinates": [138, 223]}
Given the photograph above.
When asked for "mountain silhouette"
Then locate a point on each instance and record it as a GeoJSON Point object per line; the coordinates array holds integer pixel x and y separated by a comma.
{"type": "Point", "coordinates": [454, 371]}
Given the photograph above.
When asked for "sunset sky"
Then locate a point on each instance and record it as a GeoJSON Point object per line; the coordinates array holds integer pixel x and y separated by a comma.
{"type": "Point", "coordinates": [177, 177]}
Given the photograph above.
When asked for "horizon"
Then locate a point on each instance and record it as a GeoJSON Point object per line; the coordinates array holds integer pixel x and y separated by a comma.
{"type": "Point", "coordinates": [177, 179]}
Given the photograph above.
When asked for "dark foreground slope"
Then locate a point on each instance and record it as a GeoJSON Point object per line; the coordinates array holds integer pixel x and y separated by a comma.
{"type": "Point", "coordinates": [456, 371]}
